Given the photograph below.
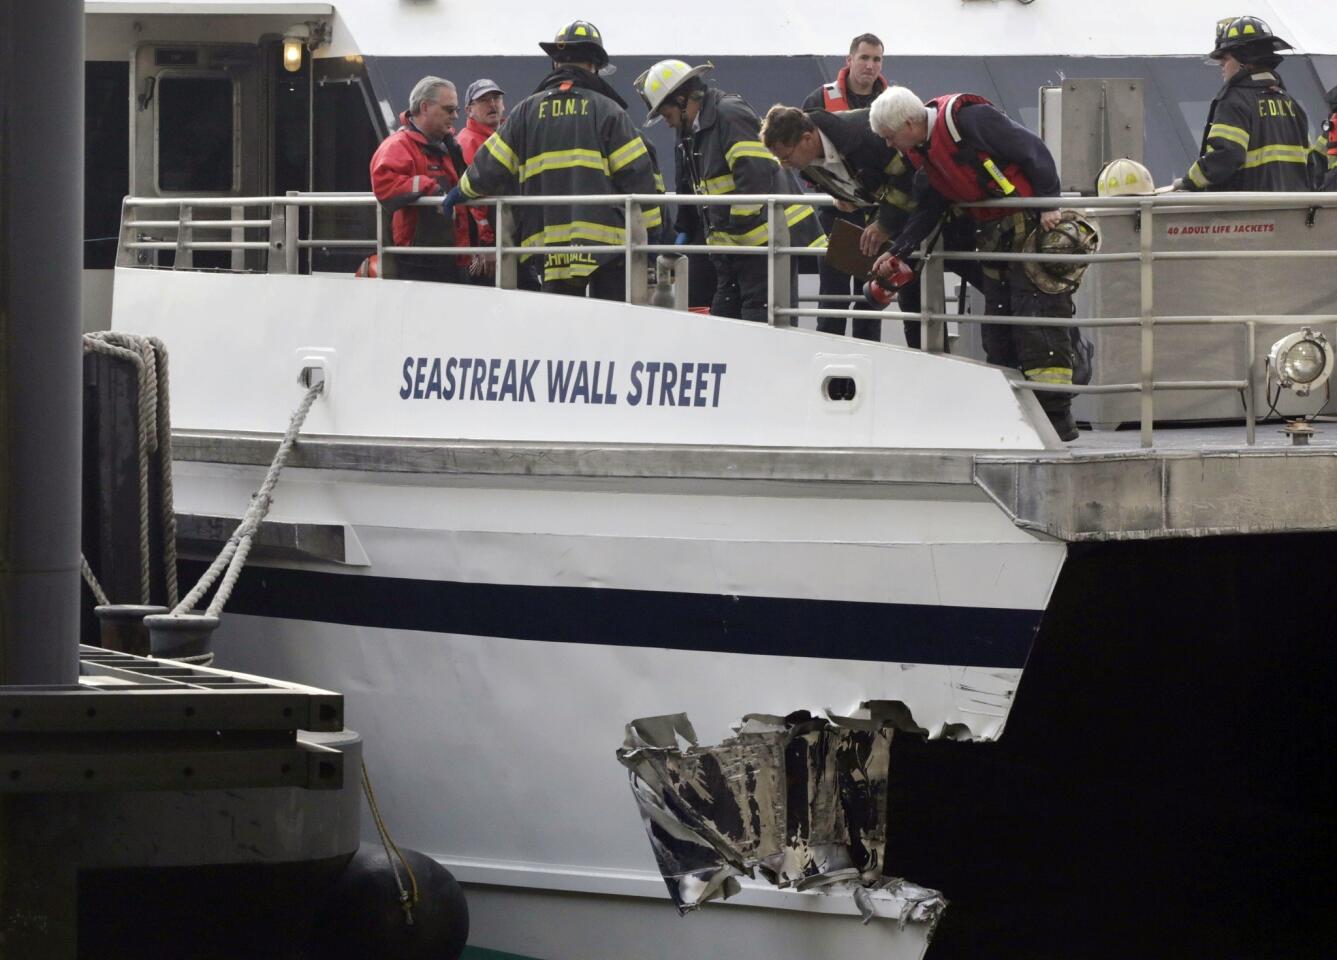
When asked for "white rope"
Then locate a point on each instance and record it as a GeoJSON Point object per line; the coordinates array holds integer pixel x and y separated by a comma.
{"type": "Point", "coordinates": [234, 552]}
{"type": "Point", "coordinates": [167, 496]}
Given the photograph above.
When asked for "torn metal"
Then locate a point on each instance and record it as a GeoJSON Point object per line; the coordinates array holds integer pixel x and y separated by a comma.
{"type": "Point", "coordinates": [800, 801]}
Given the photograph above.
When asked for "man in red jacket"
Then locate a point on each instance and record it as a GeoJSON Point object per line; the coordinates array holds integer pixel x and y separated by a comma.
{"type": "Point", "coordinates": [484, 105]}
{"type": "Point", "coordinates": [422, 159]}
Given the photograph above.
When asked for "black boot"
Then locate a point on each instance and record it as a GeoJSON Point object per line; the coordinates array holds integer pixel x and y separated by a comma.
{"type": "Point", "coordinates": [1064, 425]}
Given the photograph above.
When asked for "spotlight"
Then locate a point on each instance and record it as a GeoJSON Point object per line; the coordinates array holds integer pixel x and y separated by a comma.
{"type": "Point", "coordinates": [1301, 361]}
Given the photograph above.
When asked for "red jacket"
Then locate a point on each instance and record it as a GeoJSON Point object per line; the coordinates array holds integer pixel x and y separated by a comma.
{"type": "Point", "coordinates": [472, 137]}
{"type": "Point", "coordinates": [404, 168]}
{"type": "Point", "coordinates": [960, 173]}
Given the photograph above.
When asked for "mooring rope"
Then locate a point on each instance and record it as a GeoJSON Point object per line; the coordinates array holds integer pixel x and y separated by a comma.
{"type": "Point", "coordinates": [149, 357]}
{"type": "Point", "coordinates": [129, 349]}
{"type": "Point", "coordinates": [99, 594]}
{"type": "Point", "coordinates": [234, 552]}
{"type": "Point", "coordinates": [408, 896]}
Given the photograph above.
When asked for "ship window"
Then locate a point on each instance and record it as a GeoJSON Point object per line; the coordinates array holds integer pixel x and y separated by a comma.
{"type": "Point", "coordinates": [196, 134]}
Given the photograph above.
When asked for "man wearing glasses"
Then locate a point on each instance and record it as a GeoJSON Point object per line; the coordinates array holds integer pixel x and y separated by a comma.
{"type": "Point", "coordinates": [422, 159]}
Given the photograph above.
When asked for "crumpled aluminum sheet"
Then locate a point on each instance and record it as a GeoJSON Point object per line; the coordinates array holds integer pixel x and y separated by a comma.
{"type": "Point", "coordinates": [797, 800]}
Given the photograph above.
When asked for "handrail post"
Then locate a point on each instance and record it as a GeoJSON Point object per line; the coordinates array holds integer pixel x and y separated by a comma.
{"type": "Point", "coordinates": [1250, 379]}
{"type": "Point", "coordinates": [508, 264]}
{"type": "Point", "coordinates": [770, 262]}
{"type": "Point", "coordinates": [637, 269]}
{"type": "Point", "coordinates": [1148, 324]}
{"type": "Point", "coordinates": [183, 258]}
{"type": "Point", "coordinates": [932, 299]}
{"type": "Point", "coordinates": [779, 271]}
{"type": "Point", "coordinates": [387, 265]}
{"type": "Point", "coordinates": [291, 234]}
{"type": "Point", "coordinates": [238, 235]}
{"type": "Point", "coordinates": [626, 249]}
{"type": "Point", "coordinates": [123, 253]}
{"type": "Point", "coordinates": [276, 258]}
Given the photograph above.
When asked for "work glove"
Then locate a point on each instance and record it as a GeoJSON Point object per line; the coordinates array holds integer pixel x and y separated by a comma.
{"type": "Point", "coordinates": [448, 202]}
{"type": "Point", "coordinates": [682, 238]}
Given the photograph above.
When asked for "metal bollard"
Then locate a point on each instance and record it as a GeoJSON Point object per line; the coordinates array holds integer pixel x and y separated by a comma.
{"type": "Point", "coordinates": [122, 628]}
{"type": "Point", "coordinates": [180, 635]}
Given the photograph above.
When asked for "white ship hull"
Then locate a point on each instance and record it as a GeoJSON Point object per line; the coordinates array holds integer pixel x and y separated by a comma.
{"type": "Point", "coordinates": [493, 634]}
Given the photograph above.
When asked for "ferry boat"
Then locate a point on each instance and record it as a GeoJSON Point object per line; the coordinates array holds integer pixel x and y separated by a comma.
{"type": "Point", "coordinates": [630, 512]}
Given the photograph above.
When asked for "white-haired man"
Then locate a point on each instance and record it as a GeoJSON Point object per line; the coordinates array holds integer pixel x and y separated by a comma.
{"type": "Point", "coordinates": [966, 150]}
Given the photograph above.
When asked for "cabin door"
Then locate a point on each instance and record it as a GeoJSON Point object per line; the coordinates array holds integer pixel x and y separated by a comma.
{"type": "Point", "coordinates": [197, 132]}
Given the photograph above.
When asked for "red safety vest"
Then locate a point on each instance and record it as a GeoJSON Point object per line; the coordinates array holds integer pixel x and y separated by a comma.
{"type": "Point", "coordinates": [835, 95]}
{"type": "Point", "coordinates": [963, 174]}
{"type": "Point", "coordinates": [1331, 127]}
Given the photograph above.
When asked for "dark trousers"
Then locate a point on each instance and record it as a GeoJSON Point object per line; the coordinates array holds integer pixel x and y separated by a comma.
{"type": "Point", "coordinates": [1040, 353]}
{"type": "Point", "coordinates": [958, 233]}
{"type": "Point", "coordinates": [437, 269]}
{"type": "Point", "coordinates": [740, 287]}
{"type": "Point", "coordinates": [831, 282]}
{"type": "Point", "coordinates": [607, 282]}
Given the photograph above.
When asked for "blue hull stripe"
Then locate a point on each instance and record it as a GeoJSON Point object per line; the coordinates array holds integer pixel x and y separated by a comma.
{"type": "Point", "coordinates": [830, 629]}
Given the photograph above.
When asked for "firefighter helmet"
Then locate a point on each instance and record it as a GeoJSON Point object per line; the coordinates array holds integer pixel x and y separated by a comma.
{"type": "Point", "coordinates": [1074, 234]}
{"type": "Point", "coordinates": [1247, 35]}
{"type": "Point", "coordinates": [662, 79]}
{"type": "Point", "coordinates": [1124, 178]}
{"type": "Point", "coordinates": [582, 38]}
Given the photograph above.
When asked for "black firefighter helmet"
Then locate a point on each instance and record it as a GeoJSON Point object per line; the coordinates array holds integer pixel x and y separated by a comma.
{"type": "Point", "coordinates": [579, 39]}
{"type": "Point", "coordinates": [1245, 38]}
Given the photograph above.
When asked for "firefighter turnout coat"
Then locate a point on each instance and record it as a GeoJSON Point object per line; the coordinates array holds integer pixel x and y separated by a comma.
{"type": "Point", "coordinates": [572, 136]}
{"type": "Point", "coordinates": [725, 155]}
{"type": "Point", "coordinates": [1257, 138]}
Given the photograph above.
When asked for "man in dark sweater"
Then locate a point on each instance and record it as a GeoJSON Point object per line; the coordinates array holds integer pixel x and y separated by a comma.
{"type": "Point", "coordinates": [839, 154]}
{"type": "Point", "coordinates": [856, 87]}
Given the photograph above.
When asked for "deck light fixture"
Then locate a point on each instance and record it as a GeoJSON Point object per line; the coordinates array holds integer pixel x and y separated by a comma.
{"type": "Point", "coordinates": [294, 39]}
{"type": "Point", "coordinates": [309, 35]}
{"type": "Point", "coordinates": [1301, 361]}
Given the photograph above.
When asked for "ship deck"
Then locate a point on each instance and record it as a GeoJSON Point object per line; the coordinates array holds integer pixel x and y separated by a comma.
{"type": "Point", "coordinates": [1195, 481]}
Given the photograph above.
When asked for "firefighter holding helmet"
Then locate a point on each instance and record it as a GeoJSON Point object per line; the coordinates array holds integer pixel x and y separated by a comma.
{"type": "Point", "coordinates": [720, 145]}
{"type": "Point", "coordinates": [1257, 135]}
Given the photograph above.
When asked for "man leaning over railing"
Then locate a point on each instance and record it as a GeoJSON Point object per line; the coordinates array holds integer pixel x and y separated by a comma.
{"type": "Point", "coordinates": [966, 150]}
{"type": "Point", "coordinates": [839, 154]}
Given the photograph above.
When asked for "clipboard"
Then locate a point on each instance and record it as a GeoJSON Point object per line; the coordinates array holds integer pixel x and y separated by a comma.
{"type": "Point", "coordinates": [842, 250]}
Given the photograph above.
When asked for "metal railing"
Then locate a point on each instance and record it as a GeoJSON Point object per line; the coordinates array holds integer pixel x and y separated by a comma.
{"type": "Point", "coordinates": [282, 246]}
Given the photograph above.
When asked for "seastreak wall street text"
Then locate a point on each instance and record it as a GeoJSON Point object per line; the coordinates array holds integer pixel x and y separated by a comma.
{"type": "Point", "coordinates": [648, 383]}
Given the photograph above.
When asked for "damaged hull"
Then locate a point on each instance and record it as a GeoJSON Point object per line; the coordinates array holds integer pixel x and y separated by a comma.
{"type": "Point", "coordinates": [495, 608]}
{"type": "Point", "coordinates": [492, 708]}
